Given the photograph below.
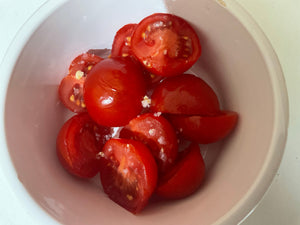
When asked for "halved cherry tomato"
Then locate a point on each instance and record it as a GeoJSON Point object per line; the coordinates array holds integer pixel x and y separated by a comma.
{"type": "Point", "coordinates": [71, 87]}
{"type": "Point", "coordinates": [166, 44]}
{"type": "Point", "coordinates": [205, 129]}
{"type": "Point", "coordinates": [113, 91]}
{"type": "Point", "coordinates": [128, 173]}
{"type": "Point", "coordinates": [78, 144]}
{"type": "Point", "coordinates": [122, 42]}
{"type": "Point", "coordinates": [158, 134]}
{"type": "Point", "coordinates": [82, 65]}
{"type": "Point", "coordinates": [185, 177]}
{"type": "Point", "coordinates": [71, 94]}
{"type": "Point", "coordinates": [184, 94]}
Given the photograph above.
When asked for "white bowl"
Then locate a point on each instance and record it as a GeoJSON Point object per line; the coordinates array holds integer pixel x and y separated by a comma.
{"type": "Point", "coordinates": [237, 61]}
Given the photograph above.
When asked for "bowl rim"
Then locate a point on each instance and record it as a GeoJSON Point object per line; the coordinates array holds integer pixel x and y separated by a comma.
{"type": "Point", "coordinates": [245, 206]}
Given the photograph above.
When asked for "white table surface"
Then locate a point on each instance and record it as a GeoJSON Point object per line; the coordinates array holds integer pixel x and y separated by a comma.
{"type": "Point", "coordinates": [280, 20]}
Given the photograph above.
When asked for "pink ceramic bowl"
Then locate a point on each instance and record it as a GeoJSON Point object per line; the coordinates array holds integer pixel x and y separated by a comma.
{"type": "Point", "coordinates": [237, 61]}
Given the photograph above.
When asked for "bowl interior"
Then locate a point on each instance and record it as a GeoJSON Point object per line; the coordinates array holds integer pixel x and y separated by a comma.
{"type": "Point", "coordinates": [231, 63]}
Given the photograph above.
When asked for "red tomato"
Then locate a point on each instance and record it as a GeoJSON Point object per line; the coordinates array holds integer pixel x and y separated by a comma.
{"type": "Point", "coordinates": [158, 134]}
{"type": "Point", "coordinates": [71, 87]}
{"type": "Point", "coordinates": [205, 129]}
{"type": "Point", "coordinates": [78, 144]}
{"type": "Point", "coordinates": [71, 94]}
{"type": "Point", "coordinates": [113, 91]}
{"type": "Point", "coordinates": [184, 94]}
{"type": "Point", "coordinates": [185, 177]}
{"type": "Point", "coordinates": [122, 42]}
{"type": "Point", "coordinates": [166, 44]}
{"type": "Point", "coordinates": [128, 173]}
{"type": "Point", "coordinates": [82, 65]}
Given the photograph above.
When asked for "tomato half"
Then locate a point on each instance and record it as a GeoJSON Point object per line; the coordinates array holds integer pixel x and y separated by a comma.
{"type": "Point", "coordinates": [128, 173]}
{"type": "Point", "coordinates": [113, 91]}
{"type": "Point", "coordinates": [122, 41]}
{"type": "Point", "coordinates": [166, 44]}
{"type": "Point", "coordinates": [184, 94]}
{"type": "Point", "coordinates": [78, 144]}
{"type": "Point", "coordinates": [82, 65]}
{"type": "Point", "coordinates": [158, 134]}
{"type": "Point", "coordinates": [205, 129]}
{"type": "Point", "coordinates": [185, 177]}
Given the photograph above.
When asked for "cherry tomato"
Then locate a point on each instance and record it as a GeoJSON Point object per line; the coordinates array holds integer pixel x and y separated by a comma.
{"type": "Point", "coordinates": [184, 94]}
{"type": "Point", "coordinates": [122, 42]}
{"type": "Point", "coordinates": [78, 144]}
{"type": "Point", "coordinates": [82, 65]}
{"type": "Point", "coordinates": [166, 44]}
{"type": "Point", "coordinates": [71, 87]}
{"type": "Point", "coordinates": [158, 134]}
{"type": "Point", "coordinates": [113, 91]}
{"type": "Point", "coordinates": [128, 173]}
{"type": "Point", "coordinates": [205, 129]}
{"type": "Point", "coordinates": [185, 177]}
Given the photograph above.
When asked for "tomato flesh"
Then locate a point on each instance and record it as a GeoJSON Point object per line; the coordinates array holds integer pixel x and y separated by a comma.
{"type": "Point", "coordinates": [205, 129]}
{"type": "Point", "coordinates": [184, 94]}
{"type": "Point", "coordinates": [113, 91]}
{"type": "Point", "coordinates": [82, 64]}
{"type": "Point", "coordinates": [158, 134]}
{"type": "Point", "coordinates": [166, 44]}
{"type": "Point", "coordinates": [185, 177]}
{"type": "Point", "coordinates": [78, 144]}
{"type": "Point", "coordinates": [128, 173]}
{"type": "Point", "coordinates": [122, 42]}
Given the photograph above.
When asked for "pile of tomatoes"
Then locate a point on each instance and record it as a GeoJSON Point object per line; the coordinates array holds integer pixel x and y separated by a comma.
{"type": "Point", "coordinates": [134, 108]}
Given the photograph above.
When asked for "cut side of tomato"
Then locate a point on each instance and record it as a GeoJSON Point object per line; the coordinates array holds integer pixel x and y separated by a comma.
{"type": "Point", "coordinates": [114, 90]}
{"type": "Point", "coordinates": [184, 94]}
{"type": "Point", "coordinates": [166, 44]}
{"type": "Point", "coordinates": [185, 177]}
{"type": "Point", "coordinates": [205, 129]}
{"type": "Point", "coordinates": [158, 134]}
{"type": "Point", "coordinates": [78, 144]}
{"type": "Point", "coordinates": [128, 173]}
{"type": "Point", "coordinates": [122, 42]}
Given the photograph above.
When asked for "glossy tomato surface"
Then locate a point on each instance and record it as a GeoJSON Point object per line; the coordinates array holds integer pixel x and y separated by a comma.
{"type": "Point", "coordinates": [166, 44]}
{"type": "Point", "coordinates": [185, 177]}
{"type": "Point", "coordinates": [113, 91]}
{"type": "Point", "coordinates": [128, 173]}
{"type": "Point", "coordinates": [184, 94]}
{"type": "Point", "coordinates": [122, 41]}
{"type": "Point", "coordinates": [158, 134]}
{"type": "Point", "coordinates": [205, 129]}
{"type": "Point", "coordinates": [78, 143]}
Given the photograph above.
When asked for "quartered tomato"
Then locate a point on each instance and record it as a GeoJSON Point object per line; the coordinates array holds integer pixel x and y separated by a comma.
{"type": "Point", "coordinates": [158, 134]}
{"type": "Point", "coordinates": [78, 144]}
{"type": "Point", "coordinates": [205, 129]}
{"type": "Point", "coordinates": [166, 44]}
{"type": "Point", "coordinates": [113, 91]}
{"type": "Point", "coordinates": [184, 94]}
{"type": "Point", "coordinates": [128, 173]}
{"type": "Point", "coordinates": [122, 42]}
{"type": "Point", "coordinates": [71, 87]}
{"type": "Point", "coordinates": [185, 177]}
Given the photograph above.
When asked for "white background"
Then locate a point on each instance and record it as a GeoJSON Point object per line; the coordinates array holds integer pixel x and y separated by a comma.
{"type": "Point", "coordinates": [280, 20]}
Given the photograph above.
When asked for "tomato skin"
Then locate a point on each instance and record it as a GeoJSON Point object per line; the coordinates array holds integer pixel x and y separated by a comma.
{"type": "Point", "coordinates": [205, 129]}
{"type": "Point", "coordinates": [122, 41]}
{"type": "Point", "coordinates": [113, 91]}
{"type": "Point", "coordinates": [128, 173]}
{"type": "Point", "coordinates": [184, 94]}
{"type": "Point", "coordinates": [84, 63]}
{"type": "Point", "coordinates": [166, 44]}
{"type": "Point", "coordinates": [78, 143]}
{"type": "Point", "coordinates": [158, 134]}
{"type": "Point", "coordinates": [185, 177]}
